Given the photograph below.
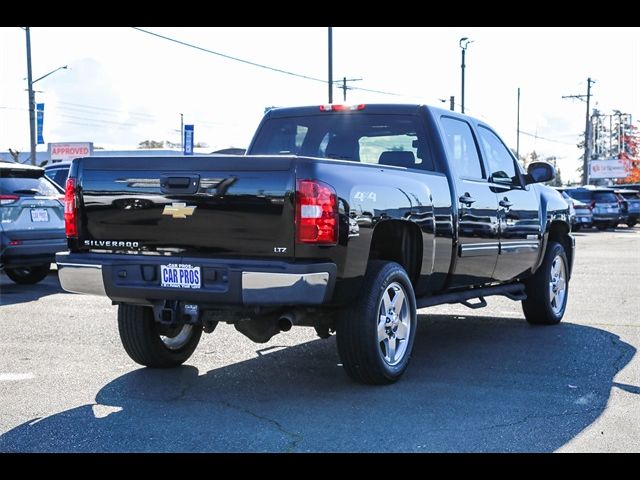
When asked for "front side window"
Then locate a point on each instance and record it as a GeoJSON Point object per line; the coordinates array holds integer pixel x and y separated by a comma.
{"type": "Point", "coordinates": [501, 165]}
{"type": "Point", "coordinates": [462, 149]}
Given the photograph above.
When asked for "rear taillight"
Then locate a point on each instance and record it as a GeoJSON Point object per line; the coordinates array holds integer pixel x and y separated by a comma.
{"type": "Point", "coordinates": [316, 212]}
{"type": "Point", "coordinates": [70, 209]}
{"type": "Point", "coordinates": [8, 199]}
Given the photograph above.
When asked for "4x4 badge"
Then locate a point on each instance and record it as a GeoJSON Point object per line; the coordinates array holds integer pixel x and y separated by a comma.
{"type": "Point", "coordinates": [178, 210]}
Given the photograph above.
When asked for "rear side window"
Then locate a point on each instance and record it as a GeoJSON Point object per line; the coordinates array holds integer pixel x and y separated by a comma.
{"type": "Point", "coordinates": [58, 175]}
{"type": "Point", "coordinates": [27, 186]}
{"type": "Point", "coordinates": [462, 148]}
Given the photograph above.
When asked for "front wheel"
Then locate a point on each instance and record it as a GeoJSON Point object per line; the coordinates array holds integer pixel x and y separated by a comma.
{"type": "Point", "coordinates": [28, 275]}
{"type": "Point", "coordinates": [153, 344]}
{"type": "Point", "coordinates": [547, 291]}
{"type": "Point", "coordinates": [375, 336]}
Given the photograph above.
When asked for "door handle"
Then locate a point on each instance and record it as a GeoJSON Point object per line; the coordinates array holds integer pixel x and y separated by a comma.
{"type": "Point", "coordinates": [466, 199]}
{"type": "Point", "coordinates": [505, 203]}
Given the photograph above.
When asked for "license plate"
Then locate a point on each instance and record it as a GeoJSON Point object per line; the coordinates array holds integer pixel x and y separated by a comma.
{"type": "Point", "coordinates": [179, 276]}
{"type": "Point", "coordinates": [39, 215]}
{"type": "Point", "coordinates": [610, 210]}
{"type": "Point", "coordinates": [583, 219]}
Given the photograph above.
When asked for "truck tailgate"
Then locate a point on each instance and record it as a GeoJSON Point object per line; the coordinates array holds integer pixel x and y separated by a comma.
{"type": "Point", "coordinates": [223, 205]}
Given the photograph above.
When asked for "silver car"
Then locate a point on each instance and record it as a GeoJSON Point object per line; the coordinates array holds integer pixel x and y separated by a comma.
{"type": "Point", "coordinates": [31, 222]}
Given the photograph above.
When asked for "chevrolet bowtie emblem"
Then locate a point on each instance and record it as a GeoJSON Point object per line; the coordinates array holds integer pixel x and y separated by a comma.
{"type": "Point", "coordinates": [178, 210]}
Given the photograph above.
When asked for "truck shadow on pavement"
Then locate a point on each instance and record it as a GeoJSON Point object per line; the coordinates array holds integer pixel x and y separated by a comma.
{"type": "Point", "coordinates": [474, 384]}
{"type": "Point", "coordinates": [12, 293]}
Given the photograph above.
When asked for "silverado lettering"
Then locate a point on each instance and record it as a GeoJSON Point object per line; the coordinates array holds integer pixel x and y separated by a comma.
{"type": "Point", "coordinates": [344, 219]}
{"type": "Point", "coordinates": [111, 243]}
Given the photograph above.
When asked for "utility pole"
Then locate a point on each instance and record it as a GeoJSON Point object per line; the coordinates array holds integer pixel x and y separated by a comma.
{"type": "Point", "coordinates": [32, 102]}
{"type": "Point", "coordinates": [182, 132]}
{"type": "Point", "coordinates": [330, 65]}
{"type": "Point", "coordinates": [587, 131]}
{"type": "Point", "coordinates": [518, 128]}
{"type": "Point", "coordinates": [345, 88]}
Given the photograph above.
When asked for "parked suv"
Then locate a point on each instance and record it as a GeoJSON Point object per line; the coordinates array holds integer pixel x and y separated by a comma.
{"type": "Point", "coordinates": [58, 172]}
{"type": "Point", "coordinates": [32, 226]}
{"type": "Point", "coordinates": [579, 213]}
{"type": "Point", "coordinates": [602, 201]}
{"type": "Point", "coordinates": [632, 200]}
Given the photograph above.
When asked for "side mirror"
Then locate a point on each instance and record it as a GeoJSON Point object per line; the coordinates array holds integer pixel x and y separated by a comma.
{"type": "Point", "coordinates": [539, 172]}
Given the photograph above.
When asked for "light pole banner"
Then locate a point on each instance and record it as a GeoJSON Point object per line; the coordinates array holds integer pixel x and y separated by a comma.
{"type": "Point", "coordinates": [40, 121]}
{"type": "Point", "coordinates": [188, 139]}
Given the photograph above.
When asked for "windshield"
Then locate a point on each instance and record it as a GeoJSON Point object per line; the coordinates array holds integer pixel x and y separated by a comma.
{"type": "Point", "coordinates": [379, 139]}
{"type": "Point", "coordinates": [604, 197]}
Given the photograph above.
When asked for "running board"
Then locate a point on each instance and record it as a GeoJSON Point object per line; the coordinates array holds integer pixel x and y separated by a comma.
{"type": "Point", "coordinates": [514, 291]}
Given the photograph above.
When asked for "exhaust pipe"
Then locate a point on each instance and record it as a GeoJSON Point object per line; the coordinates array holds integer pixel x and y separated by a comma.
{"type": "Point", "coordinates": [286, 321]}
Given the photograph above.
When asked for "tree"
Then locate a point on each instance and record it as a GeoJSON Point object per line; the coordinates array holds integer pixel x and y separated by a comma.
{"type": "Point", "coordinates": [151, 144]}
{"type": "Point", "coordinates": [631, 154]}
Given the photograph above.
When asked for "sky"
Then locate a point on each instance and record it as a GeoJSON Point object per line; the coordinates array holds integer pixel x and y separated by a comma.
{"type": "Point", "coordinates": [123, 86]}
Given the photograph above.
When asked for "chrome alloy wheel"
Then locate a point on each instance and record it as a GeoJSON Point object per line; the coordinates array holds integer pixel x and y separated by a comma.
{"type": "Point", "coordinates": [175, 339]}
{"type": "Point", "coordinates": [394, 324]}
{"type": "Point", "coordinates": [557, 285]}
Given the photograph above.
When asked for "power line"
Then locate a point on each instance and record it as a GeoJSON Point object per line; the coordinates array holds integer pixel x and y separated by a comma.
{"type": "Point", "coordinates": [544, 138]}
{"type": "Point", "coordinates": [260, 65]}
{"type": "Point", "coordinates": [230, 57]}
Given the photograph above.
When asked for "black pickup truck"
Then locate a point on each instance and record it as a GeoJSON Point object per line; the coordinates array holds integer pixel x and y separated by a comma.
{"type": "Point", "coordinates": [342, 218]}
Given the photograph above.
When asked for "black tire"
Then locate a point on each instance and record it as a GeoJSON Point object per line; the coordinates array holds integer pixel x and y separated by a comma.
{"type": "Point", "coordinates": [28, 275]}
{"type": "Point", "coordinates": [539, 307]}
{"type": "Point", "coordinates": [576, 227]}
{"type": "Point", "coordinates": [141, 338]}
{"type": "Point", "coordinates": [601, 226]}
{"type": "Point", "coordinates": [357, 336]}
{"type": "Point", "coordinates": [631, 223]}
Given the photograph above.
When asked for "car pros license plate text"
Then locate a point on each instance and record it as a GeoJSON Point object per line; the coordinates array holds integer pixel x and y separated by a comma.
{"type": "Point", "coordinates": [179, 276]}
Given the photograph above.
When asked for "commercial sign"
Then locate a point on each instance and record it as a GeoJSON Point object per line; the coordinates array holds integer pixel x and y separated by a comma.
{"type": "Point", "coordinates": [614, 168]}
{"type": "Point", "coordinates": [188, 139]}
{"type": "Point", "coordinates": [39, 122]}
{"type": "Point", "coordinates": [68, 151]}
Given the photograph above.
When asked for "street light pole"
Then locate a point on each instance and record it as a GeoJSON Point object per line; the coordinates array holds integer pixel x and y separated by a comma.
{"type": "Point", "coordinates": [464, 43]}
{"type": "Point", "coordinates": [32, 106]}
{"type": "Point", "coordinates": [32, 96]}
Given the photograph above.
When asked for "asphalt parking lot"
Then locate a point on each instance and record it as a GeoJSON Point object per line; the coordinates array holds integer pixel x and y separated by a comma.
{"type": "Point", "coordinates": [479, 380]}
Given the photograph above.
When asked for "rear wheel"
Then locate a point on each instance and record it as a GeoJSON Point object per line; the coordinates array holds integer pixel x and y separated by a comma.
{"type": "Point", "coordinates": [576, 227]}
{"type": "Point", "coordinates": [152, 344]}
{"type": "Point", "coordinates": [547, 291]}
{"type": "Point", "coordinates": [631, 223]}
{"type": "Point", "coordinates": [28, 275]}
{"type": "Point", "coordinates": [375, 336]}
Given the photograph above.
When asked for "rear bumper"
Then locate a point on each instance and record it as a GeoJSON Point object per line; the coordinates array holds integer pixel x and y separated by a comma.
{"type": "Point", "coordinates": [31, 252]}
{"type": "Point", "coordinates": [136, 279]}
